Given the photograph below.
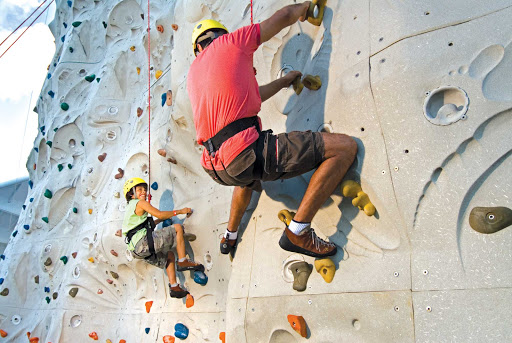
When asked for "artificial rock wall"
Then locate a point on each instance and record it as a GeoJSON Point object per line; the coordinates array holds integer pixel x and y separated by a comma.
{"type": "Point", "coordinates": [423, 87]}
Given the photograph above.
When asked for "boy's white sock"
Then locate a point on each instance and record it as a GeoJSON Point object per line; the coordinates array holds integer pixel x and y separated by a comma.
{"type": "Point", "coordinates": [182, 259]}
{"type": "Point", "coordinates": [231, 235]}
{"type": "Point", "coordinates": [298, 227]}
{"type": "Point", "coordinates": [175, 285]}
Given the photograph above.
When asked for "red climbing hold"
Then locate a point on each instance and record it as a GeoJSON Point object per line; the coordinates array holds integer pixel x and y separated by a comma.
{"type": "Point", "coordinates": [94, 335]}
{"type": "Point", "coordinates": [169, 339]}
{"type": "Point", "coordinates": [148, 306]}
{"type": "Point", "coordinates": [102, 157]}
{"type": "Point", "coordinates": [100, 291]}
{"type": "Point", "coordinates": [110, 281]}
{"type": "Point", "coordinates": [298, 324]}
{"type": "Point", "coordinates": [122, 341]}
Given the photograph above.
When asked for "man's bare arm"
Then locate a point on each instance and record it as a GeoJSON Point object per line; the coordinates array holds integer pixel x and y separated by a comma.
{"type": "Point", "coordinates": [286, 16]}
{"type": "Point", "coordinates": [268, 90]}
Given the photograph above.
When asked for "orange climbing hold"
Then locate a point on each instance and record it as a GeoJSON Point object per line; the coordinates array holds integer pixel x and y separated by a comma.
{"type": "Point", "coordinates": [132, 48]}
{"type": "Point", "coordinates": [3, 333]}
{"type": "Point", "coordinates": [222, 337]}
{"type": "Point", "coordinates": [110, 281]}
{"type": "Point", "coordinates": [90, 211]}
{"type": "Point", "coordinates": [34, 340]}
{"type": "Point", "coordinates": [174, 27]}
{"type": "Point", "coordinates": [160, 28]}
{"type": "Point", "coordinates": [109, 341]}
{"type": "Point", "coordinates": [94, 335]}
{"type": "Point", "coordinates": [148, 306]}
{"type": "Point", "coordinates": [139, 112]}
{"type": "Point", "coordinates": [298, 324]}
{"type": "Point", "coordinates": [158, 74]}
{"type": "Point", "coordinates": [122, 341]}
{"type": "Point", "coordinates": [190, 301]}
{"type": "Point", "coordinates": [100, 291]}
{"type": "Point", "coordinates": [138, 71]}
{"type": "Point", "coordinates": [91, 259]}
{"type": "Point", "coordinates": [119, 233]}
{"type": "Point", "coordinates": [169, 339]}
{"type": "Point", "coordinates": [162, 152]}
{"type": "Point", "coordinates": [113, 252]}
{"type": "Point", "coordinates": [74, 254]}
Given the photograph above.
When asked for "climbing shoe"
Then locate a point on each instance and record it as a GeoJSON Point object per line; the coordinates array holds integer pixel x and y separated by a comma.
{"type": "Point", "coordinates": [177, 292]}
{"type": "Point", "coordinates": [189, 265]}
{"type": "Point", "coordinates": [227, 245]}
{"type": "Point", "coordinates": [307, 243]}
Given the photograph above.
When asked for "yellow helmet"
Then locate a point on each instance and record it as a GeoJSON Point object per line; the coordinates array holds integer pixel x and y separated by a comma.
{"type": "Point", "coordinates": [129, 184]}
{"type": "Point", "coordinates": [202, 27]}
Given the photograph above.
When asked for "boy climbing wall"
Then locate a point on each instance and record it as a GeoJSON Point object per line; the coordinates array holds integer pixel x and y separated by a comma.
{"type": "Point", "coordinates": [155, 246]}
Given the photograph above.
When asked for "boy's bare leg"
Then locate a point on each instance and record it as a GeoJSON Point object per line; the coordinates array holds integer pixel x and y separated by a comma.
{"type": "Point", "coordinates": [170, 269]}
{"type": "Point", "coordinates": [239, 202]}
{"type": "Point", "coordinates": [340, 152]}
{"type": "Point", "coordinates": [180, 241]}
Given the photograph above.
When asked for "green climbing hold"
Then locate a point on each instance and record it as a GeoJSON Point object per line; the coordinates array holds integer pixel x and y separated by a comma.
{"type": "Point", "coordinates": [490, 219]}
{"type": "Point", "coordinates": [48, 194]}
{"type": "Point", "coordinates": [45, 219]}
{"type": "Point", "coordinates": [47, 300]}
{"type": "Point", "coordinates": [71, 50]}
{"type": "Point", "coordinates": [90, 78]}
{"type": "Point", "coordinates": [104, 25]}
{"type": "Point", "coordinates": [64, 259]}
{"type": "Point", "coordinates": [49, 143]}
{"type": "Point", "coordinates": [5, 292]}
{"type": "Point", "coordinates": [70, 165]}
{"type": "Point", "coordinates": [60, 167]}
{"type": "Point", "coordinates": [76, 23]}
{"type": "Point", "coordinates": [55, 130]}
{"type": "Point", "coordinates": [82, 142]}
{"type": "Point", "coordinates": [73, 291]}
{"type": "Point", "coordinates": [98, 79]}
{"type": "Point", "coordinates": [64, 106]}
{"type": "Point", "coordinates": [75, 210]}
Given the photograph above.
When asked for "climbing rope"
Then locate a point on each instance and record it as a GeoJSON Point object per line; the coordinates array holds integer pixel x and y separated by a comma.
{"type": "Point", "coordinates": [251, 14]}
{"type": "Point", "coordinates": [16, 29]}
{"type": "Point", "coordinates": [149, 109]}
{"type": "Point", "coordinates": [25, 29]}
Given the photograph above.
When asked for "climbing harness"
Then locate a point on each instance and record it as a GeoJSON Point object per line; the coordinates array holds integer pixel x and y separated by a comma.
{"type": "Point", "coordinates": [149, 225]}
{"type": "Point", "coordinates": [213, 144]}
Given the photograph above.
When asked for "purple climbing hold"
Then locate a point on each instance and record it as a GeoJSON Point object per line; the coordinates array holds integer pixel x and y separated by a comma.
{"type": "Point", "coordinates": [51, 94]}
{"type": "Point", "coordinates": [154, 186]}
{"type": "Point", "coordinates": [147, 330]}
{"type": "Point", "coordinates": [26, 226]}
{"type": "Point", "coordinates": [164, 98]}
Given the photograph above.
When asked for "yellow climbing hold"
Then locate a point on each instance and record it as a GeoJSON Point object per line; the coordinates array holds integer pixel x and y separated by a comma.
{"type": "Point", "coordinates": [285, 216]}
{"type": "Point", "coordinates": [138, 70]}
{"type": "Point", "coordinates": [316, 20]}
{"type": "Point", "coordinates": [326, 268]}
{"type": "Point", "coordinates": [132, 48]}
{"type": "Point", "coordinates": [158, 74]}
{"type": "Point", "coordinates": [360, 199]}
{"type": "Point", "coordinates": [90, 211]}
{"type": "Point", "coordinates": [91, 259]}
{"type": "Point", "coordinates": [312, 82]}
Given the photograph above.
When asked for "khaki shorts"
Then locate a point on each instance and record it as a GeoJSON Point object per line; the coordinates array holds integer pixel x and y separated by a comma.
{"type": "Point", "coordinates": [164, 240]}
{"type": "Point", "coordinates": [273, 157]}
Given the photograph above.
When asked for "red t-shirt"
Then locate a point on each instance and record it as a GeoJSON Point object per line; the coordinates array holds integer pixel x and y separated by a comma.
{"type": "Point", "coordinates": [222, 88]}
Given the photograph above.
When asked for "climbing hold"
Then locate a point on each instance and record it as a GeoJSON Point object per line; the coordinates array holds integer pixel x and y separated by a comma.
{"type": "Point", "coordinates": [172, 160]}
{"type": "Point", "coordinates": [110, 281]}
{"type": "Point", "coordinates": [164, 99]}
{"type": "Point", "coordinates": [24, 207]}
{"type": "Point", "coordinates": [162, 152]}
{"type": "Point", "coordinates": [154, 186]}
{"type": "Point", "coordinates": [169, 98]}
{"type": "Point", "coordinates": [56, 129]}
{"type": "Point", "coordinates": [5, 292]}
{"type": "Point", "coordinates": [101, 157]}
{"type": "Point", "coordinates": [73, 291]}
{"type": "Point", "coordinates": [75, 210]}
{"type": "Point", "coordinates": [70, 166]}
{"type": "Point", "coordinates": [31, 199]}
{"type": "Point", "coordinates": [1, 280]}
{"type": "Point", "coordinates": [50, 75]}
{"type": "Point", "coordinates": [119, 233]}
{"type": "Point", "coordinates": [71, 50]}
{"type": "Point", "coordinates": [94, 335]}
{"type": "Point", "coordinates": [82, 142]}
{"type": "Point", "coordinates": [200, 278]}
{"type": "Point", "coordinates": [30, 184]}
{"type": "Point", "coordinates": [117, 194]}
{"type": "Point", "coordinates": [109, 341]}
{"type": "Point", "coordinates": [64, 106]}
{"type": "Point", "coordinates": [3, 333]}
{"type": "Point", "coordinates": [139, 112]}
{"type": "Point", "coordinates": [122, 341]}
{"type": "Point", "coordinates": [222, 337]}
{"type": "Point", "coordinates": [352, 189]}
{"type": "Point", "coordinates": [326, 268]}
{"type": "Point", "coordinates": [158, 73]}
{"type": "Point", "coordinates": [114, 275]}
{"type": "Point", "coordinates": [301, 271]}
{"type": "Point", "coordinates": [180, 331]}
{"type": "Point", "coordinates": [47, 300]}
{"type": "Point", "coordinates": [64, 259]}
{"type": "Point", "coordinates": [70, 3]}
{"type": "Point", "coordinates": [148, 306]}
{"type": "Point", "coordinates": [55, 295]}
{"type": "Point", "coordinates": [138, 70]}
{"type": "Point", "coordinates": [48, 194]}
{"type": "Point", "coordinates": [169, 339]}
{"type": "Point", "coordinates": [160, 28]}
{"type": "Point", "coordinates": [90, 211]}
{"type": "Point", "coordinates": [74, 254]}
{"type": "Point", "coordinates": [147, 330]}
{"type": "Point", "coordinates": [174, 27]}
{"type": "Point", "coordinates": [2, 257]}
{"type": "Point", "coordinates": [120, 174]}
{"type": "Point", "coordinates": [312, 82]}
{"type": "Point", "coordinates": [34, 166]}
{"type": "Point", "coordinates": [297, 85]}
{"type": "Point", "coordinates": [104, 25]}
{"type": "Point", "coordinates": [285, 216]}
{"type": "Point", "coordinates": [142, 16]}
{"type": "Point", "coordinates": [36, 279]}
{"type": "Point", "coordinates": [76, 23]}
{"type": "Point", "coordinates": [100, 291]}
{"type": "Point", "coordinates": [47, 289]}
{"type": "Point", "coordinates": [51, 94]}
{"type": "Point", "coordinates": [26, 227]}
{"type": "Point", "coordinates": [48, 262]}
{"type": "Point", "coordinates": [49, 143]}
{"type": "Point", "coordinates": [90, 78]}
{"type": "Point", "coordinates": [298, 324]}
{"type": "Point", "coordinates": [132, 48]}
{"type": "Point", "coordinates": [190, 301]}
{"type": "Point", "coordinates": [60, 167]}
{"type": "Point", "coordinates": [42, 128]}
{"type": "Point", "coordinates": [113, 252]}
{"type": "Point", "coordinates": [34, 340]}
{"type": "Point", "coordinates": [490, 219]}
{"type": "Point", "coordinates": [15, 232]}
{"type": "Point", "coordinates": [310, 16]}
{"type": "Point", "coordinates": [91, 259]}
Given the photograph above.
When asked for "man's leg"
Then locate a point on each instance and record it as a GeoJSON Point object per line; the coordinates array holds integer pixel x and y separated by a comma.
{"type": "Point", "coordinates": [239, 202]}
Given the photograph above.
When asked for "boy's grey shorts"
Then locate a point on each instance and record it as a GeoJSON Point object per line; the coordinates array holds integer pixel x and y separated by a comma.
{"type": "Point", "coordinates": [165, 241]}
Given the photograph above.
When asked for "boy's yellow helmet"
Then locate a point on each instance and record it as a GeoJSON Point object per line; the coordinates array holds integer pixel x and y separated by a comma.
{"type": "Point", "coordinates": [202, 27]}
{"type": "Point", "coordinates": [134, 181]}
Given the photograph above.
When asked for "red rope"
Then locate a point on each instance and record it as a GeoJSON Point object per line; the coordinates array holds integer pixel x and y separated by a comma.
{"type": "Point", "coordinates": [251, 13]}
{"type": "Point", "coordinates": [149, 109]}
{"type": "Point", "coordinates": [38, 7]}
{"type": "Point", "coordinates": [26, 28]}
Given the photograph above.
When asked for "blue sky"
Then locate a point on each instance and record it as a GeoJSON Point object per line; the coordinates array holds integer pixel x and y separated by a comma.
{"type": "Point", "coordinates": [22, 73]}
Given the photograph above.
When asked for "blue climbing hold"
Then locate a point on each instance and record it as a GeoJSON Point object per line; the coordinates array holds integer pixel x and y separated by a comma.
{"type": "Point", "coordinates": [166, 223]}
{"type": "Point", "coordinates": [70, 3]}
{"type": "Point", "coordinates": [14, 233]}
{"type": "Point", "coordinates": [42, 128]}
{"type": "Point", "coordinates": [200, 278]}
{"type": "Point", "coordinates": [51, 94]}
{"type": "Point", "coordinates": [26, 226]}
{"type": "Point", "coordinates": [55, 64]}
{"type": "Point", "coordinates": [36, 149]}
{"type": "Point", "coordinates": [47, 289]}
{"type": "Point", "coordinates": [31, 199]}
{"type": "Point", "coordinates": [147, 330]}
{"type": "Point", "coordinates": [62, 38]}
{"type": "Point", "coordinates": [180, 331]}
{"type": "Point", "coordinates": [24, 207]}
{"type": "Point", "coordinates": [48, 76]}
{"type": "Point", "coordinates": [154, 186]}
{"type": "Point", "coordinates": [164, 98]}
{"type": "Point", "coordinates": [65, 25]}
{"type": "Point", "coordinates": [1, 280]}
{"type": "Point", "coordinates": [2, 257]}
{"type": "Point", "coordinates": [30, 184]}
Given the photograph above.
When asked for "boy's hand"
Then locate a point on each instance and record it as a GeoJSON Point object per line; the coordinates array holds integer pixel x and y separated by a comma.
{"type": "Point", "coordinates": [304, 16]}
{"type": "Point", "coordinates": [187, 210]}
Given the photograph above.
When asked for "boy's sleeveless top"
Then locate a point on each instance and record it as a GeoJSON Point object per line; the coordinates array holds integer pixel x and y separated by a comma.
{"type": "Point", "coordinates": [132, 220]}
